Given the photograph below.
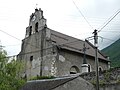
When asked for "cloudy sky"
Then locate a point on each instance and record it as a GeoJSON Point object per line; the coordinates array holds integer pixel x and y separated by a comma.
{"type": "Point", "coordinates": [77, 18]}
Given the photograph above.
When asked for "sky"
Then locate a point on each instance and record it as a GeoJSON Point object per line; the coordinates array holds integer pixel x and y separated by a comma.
{"type": "Point", "coordinates": [77, 18]}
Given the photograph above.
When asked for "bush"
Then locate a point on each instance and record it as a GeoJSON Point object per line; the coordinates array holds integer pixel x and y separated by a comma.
{"type": "Point", "coordinates": [9, 73]}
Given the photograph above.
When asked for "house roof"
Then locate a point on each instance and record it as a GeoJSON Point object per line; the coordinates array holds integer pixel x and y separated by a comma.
{"type": "Point", "coordinates": [74, 44]}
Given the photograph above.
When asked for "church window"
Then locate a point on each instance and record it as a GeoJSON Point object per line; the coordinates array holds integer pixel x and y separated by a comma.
{"type": "Point", "coordinates": [36, 27]}
{"type": "Point", "coordinates": [30, 31]}
{"type": "Point", "coordinates": [31, 58]}
{"type": "Point", "coordinates": [89, 68]}
{"type": "Point", "coordinates": [74, 70]}
{"type": "Point", "coordinates": [100, 69]}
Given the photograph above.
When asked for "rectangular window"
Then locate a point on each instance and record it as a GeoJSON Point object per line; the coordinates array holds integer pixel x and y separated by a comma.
{"type": "Point", "coordinates": [30, 32]}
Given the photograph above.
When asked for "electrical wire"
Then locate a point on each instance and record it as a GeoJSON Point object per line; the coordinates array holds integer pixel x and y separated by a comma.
{"type": "Point", "coordinates": [59, 45]}
{"type": "Point", "coordinates": [109, 20]}
{"type": "Point", "coordinates": [107, 38]}
{"type": "Point", "coordinates": [63, 44]}
{"type": "Point", "coordinates": [114, 31]}
{"type": "Point", "coordinates": [82, 14]}
{"type": "Point", "coordinates": [15, 37]}
{"type": "Point", "coordinates": [10, 35]}
{"type": "Point", "coordinates": [12, 45]}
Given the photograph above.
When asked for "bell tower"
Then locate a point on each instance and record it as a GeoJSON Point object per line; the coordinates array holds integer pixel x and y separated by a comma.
{"type": "Point", "coordinates": [36, 22]}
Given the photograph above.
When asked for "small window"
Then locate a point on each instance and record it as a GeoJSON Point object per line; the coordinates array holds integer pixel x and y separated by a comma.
{"type": "Point", "coordinates": [100, 69]}
{"type": "Point", "coordinates": [89, 68]}
{"type": "Point", "coordinates": [74, 70]}
{"type": "Point", "coordinates": [31, 58]}
{"type": "Point", "coordinates": [30, 31]}
{"type": "Point", "coordinates": [36, 27]}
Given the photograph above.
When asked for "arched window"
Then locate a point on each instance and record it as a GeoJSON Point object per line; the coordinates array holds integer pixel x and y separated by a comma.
{"type": "Point", "coordinates": [100, 69]}
{"type": "Point", "coordinates": [31, 58]}
{"type": "Point", "coordinates": [74, 70]}
{"type": "Point", "coordinates": [89, 68]}
{"type": "Point", "coordinates": [36, 27]}
{"type": "Point", "coordinates": [30, 31]}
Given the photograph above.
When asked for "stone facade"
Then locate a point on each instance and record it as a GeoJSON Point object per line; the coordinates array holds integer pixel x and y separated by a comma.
{"type": "Point", "coordinates": [50, 53]}
{"type": "Point", "coordinates": [110, 76]}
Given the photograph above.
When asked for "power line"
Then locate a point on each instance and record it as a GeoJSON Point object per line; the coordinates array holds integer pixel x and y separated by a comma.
{"type": "Point", "coordinates": [82, 14]}
{"type": "Point", "coordinates": [15, 37]}
{"type": "Point", "coordinates": [59, 45]}
{"type": "Point", "coordinates": [63, 44]}
{"type": "Point", "coordinates": [107, 38]}
{"type": "Point", "coordinates": [114, 31]}
{"type": "Point", "coordinates": [10, 35]}
{"type": "Point", "coordinates": [109, 20]}
{"type": "Point", "coordinates": [35, 45]}
{"type": "Point", "coordinates": [12, 45]}
{"type": "Point", "coordinates": [95, 18]}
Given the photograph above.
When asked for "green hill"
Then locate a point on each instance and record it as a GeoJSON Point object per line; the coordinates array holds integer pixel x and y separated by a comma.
{"type": "Point", "coordinates": [113, 51]}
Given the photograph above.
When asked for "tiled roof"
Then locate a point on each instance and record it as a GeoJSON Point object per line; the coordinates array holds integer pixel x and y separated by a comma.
{"type": "Point", "coordinates": [74, 44]}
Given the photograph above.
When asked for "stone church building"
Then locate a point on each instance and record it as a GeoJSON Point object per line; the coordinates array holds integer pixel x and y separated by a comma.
{"type": "Point", "coordinates": [47, 52]}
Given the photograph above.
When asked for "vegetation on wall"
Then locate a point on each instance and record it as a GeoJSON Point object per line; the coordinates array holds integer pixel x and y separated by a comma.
{"type": "Point", "coordinates": [10, 73]}
{"type": "Point", "coordinates": [106, 77]}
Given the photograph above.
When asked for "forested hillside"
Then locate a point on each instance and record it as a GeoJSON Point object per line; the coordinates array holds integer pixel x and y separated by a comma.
{"type": "Point", "coordinates": [113, 51]}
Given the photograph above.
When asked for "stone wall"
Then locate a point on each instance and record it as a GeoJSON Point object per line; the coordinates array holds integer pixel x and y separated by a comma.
{"type": "Point", "coordinates": [115, 86]}
{"type": "Point", "coordinates": [76, 84]}
{"type": "Point", "coordinates": [106, 77]}
{"type": "Point", "coordinates": [62, 83]}
{"type": "Point", "coordinates": [69, 59]}
{"type": "Point", "coordinates": [111, 81]}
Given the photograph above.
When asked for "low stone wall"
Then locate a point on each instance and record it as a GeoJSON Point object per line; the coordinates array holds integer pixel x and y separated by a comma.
{"type": "Point", "coordinates": [109, 76]}
{"type": "Point", "coordinates": [109, 80]}
{"type": "Point", "coordinates": [63, 83]}
{"type": "Point", "coordinates": [76, 84]}
{"type": "Point", "coordinates": [115, 86]}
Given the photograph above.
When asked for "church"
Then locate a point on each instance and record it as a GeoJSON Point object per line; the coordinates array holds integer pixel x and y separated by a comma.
{"type": "Point", "coordinates": [46, 52]}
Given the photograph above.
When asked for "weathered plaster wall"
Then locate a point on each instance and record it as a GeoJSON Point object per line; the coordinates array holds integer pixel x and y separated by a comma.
{"type": "Point", "coordinates": [40, 47]}
{"type": "Point", "coordinates": [67, 59]}
{"type": "Point", "coordinates": [56, 62]}
{"type": "Point", "coordinates": [91, 62]}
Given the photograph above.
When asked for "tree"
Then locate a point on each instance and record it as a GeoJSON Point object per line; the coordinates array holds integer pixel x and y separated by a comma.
{"type": "Point", "coordinates": [10, 72]}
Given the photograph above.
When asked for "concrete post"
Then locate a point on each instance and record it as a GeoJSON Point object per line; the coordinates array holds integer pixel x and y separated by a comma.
{"type": "Point", "coordinates": [84, 68]}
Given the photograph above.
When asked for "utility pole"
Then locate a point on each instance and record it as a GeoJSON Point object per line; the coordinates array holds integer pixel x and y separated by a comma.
{"type": "Point", "coordinates": [96, 58]}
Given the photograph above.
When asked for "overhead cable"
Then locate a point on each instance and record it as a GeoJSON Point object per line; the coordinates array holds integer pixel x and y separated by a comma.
{"type": "Point", "coordinates": [109, 20]}
{"type": "Point", "coordinates": [82, 14]}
